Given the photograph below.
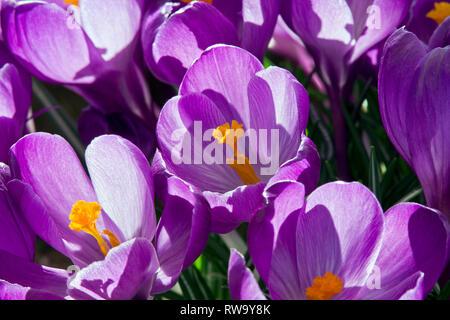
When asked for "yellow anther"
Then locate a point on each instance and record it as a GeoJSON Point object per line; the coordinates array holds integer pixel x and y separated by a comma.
{"type": "Point", "coordinates": [240, 163]}
{"type": "Point", "coordinates": [112, 238]}
{"type": "Point", "coordinates": [324, 288]}
{"type": "Point", "coordinates": [440, 12]}
{"type": "Point", "coordinates": [83, 217]}
{"type": "Point", "coordinates": [73, 2]}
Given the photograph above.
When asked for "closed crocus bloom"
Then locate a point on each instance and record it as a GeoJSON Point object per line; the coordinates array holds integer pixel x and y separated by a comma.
{"type": "Point", "coordinates": [426, 16]}
{"type": "Point", "coordinates": [20, 278]}
{"type": "Point", "coordinates": [106, 224]}
{"type": "Point", "coordinates": [235, 128]}
{"type": "Point", "coordinates": [414, 95]}
{"type": "Point", "coordinates": [338, 244]}
{"type": "Point", "coordinates": [15, 99]}
{"type": "Point", "coordinates": [337, 34]}
{"type": "Point", "coordinates": [89, 46]}
{"type": "Point", "coordinates": [175, 33]}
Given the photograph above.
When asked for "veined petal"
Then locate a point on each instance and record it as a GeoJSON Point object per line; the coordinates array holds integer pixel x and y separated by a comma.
{"type": "Point", "coordinates": [182, 233]}
{"type": "Point", "coordinates": [127, 272]}
{"type": "Point", "coordinates": [223, 73]}
{"type": "Point", "coordinates": [359, 223]}
{"type": "Point", "coordinates": [181, 39]}
{"type": "Point", "coordinates": [242, 283]}
{"type": "Point", "coordinates": [44, 161]}
{"type": "Point", "coordinates": [402, 53]}
{"type": "Point", "coordinates": [122, 180]}
{"type": "Point", "coordinates": [38, 34]}
{"type": "Point", "coordinates": [113, 28]}
{"type": "Point", "coordinates": [415, 240]}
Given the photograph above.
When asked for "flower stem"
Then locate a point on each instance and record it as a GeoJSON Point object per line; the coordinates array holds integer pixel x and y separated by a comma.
{"type": "Point", "coordinates": [340, 134]}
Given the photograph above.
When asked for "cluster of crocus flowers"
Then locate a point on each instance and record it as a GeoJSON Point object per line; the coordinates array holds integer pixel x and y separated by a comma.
{"type": "Point", "coordinates": [107, 224]}
{"type": "Point", "coordinates": [89, 47]}
{"type": "Point", "coordinates": [338, 244]}
{"type": "Point", "coordinates": [231, 144]}
{"type": "Point", "coordinates": [228, 92]}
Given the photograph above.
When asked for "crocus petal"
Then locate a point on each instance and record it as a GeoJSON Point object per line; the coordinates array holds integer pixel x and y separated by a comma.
{"type": "Point", "coordinates": [33, 211]}
{"type": "Point", "coordinates": [223, 73]}
{"type": "Point", "coordinates": [38, 35]}
{"type": "Point", "coordinates": [422, 26]}
{"type": "Point", "coordinates": [304, 167]}
{"type": "Point", "coordinates": [242, 283]}
{"type": "Point", "coordinates": [278, 102]}
{"type": "Point", "coordinates": [358, 221]}
{"type": "Point", "coordinates": [15, 94]}
{"type": "Point", "coordinates": [402, 53]}
{"type": "Point", "coordinates": [441, 36]}
{"type": "Point", "coordinates": [10, 291]}
{"type": "Point", "coordinates": [43, 161]}
{"type": "Point", "coordinates": [127, 272]}
{"type": "Point", "coordinates": [182, 38]}
{"type": "Point", "coordinates": [323, 27]}
{"type": "Point", "coordinates": [415, 240]}
{"type": "Point", "coordinates": [285, 198]}
{"type": "Point", "coordinates": [379, 18]}
{"type": "Point", "coordinates": [122, 180]}
{"type": "Point", "coordinates": [427, 119]}
{"type": "Point", "coordinates": [410, 288]}
{"type": "Point", "coordinates": [181, 127]}
{"type": "Point", "coordinates": [182, 233]}
{"type": "Point", "coordinates": [15, 99]}
{"type": "Point", "coordinates": [28, 274]}
{"type": "Point", "coordinates": [15, 234]}
{"type": "Point", "coordinates": [113, 27]}
{"type": "Point", "coordinates": [230, 209]}
{"type": "Point", "coordinates": [258, 22]}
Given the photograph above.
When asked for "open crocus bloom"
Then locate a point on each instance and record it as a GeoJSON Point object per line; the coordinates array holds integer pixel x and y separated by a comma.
{"type": "Point", "coordinates": [233, 129]}
{"type": "Point", "coordinates": [86, 45]}
{"type": "Point", "coordinates": [338, 244]}
{"type": "Point", "coordinates": [337, 33]}
{"type": "Point", "coordinates": [15, 99]}
{"type": "Point", "coordinates": [175, 34]}
{"type": "Point", "coordinates": [107, 225]}
{"type": "Point", "coordinates": [414, 95]}
{"type": "Point", "coordinates": [20, 278]}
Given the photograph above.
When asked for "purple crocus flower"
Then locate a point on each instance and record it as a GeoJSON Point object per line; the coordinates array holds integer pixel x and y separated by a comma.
{"type": "Point", "coordinates": [106, 224]}
{"type": "Point", "coordinates": [337, 34]}
{"type": "Point", "coordinates": [414, 95]}
{"type": "Point", "coordinates": [175, 33]}
{"type": "Point", "coordinates": [338, 244]}
{"type": "Point", "coordinates": [20, 278]}
{"type": "Point", "coordinates": [87, 45]}
{"type": "Point", "coordinates": [229, 111]}
{"type": "Point", "coordinates": [15, 99]}
{"type": "Point", "coordinates": [425, 17]}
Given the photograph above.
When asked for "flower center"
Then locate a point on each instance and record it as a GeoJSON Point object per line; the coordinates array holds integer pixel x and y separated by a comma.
{"type": "Point", "coordinates": [324, 288]}
{"type": "Point", "coordinates": [207, 1]}
{"type": "Point", "coordinates": [239, 163]}
{"type": "Point", "coordinates": [440, 11]}
{"type": "Point", "coordinates": [73, 2]}
{"type": "Point", "coordinates": [83, 217]}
